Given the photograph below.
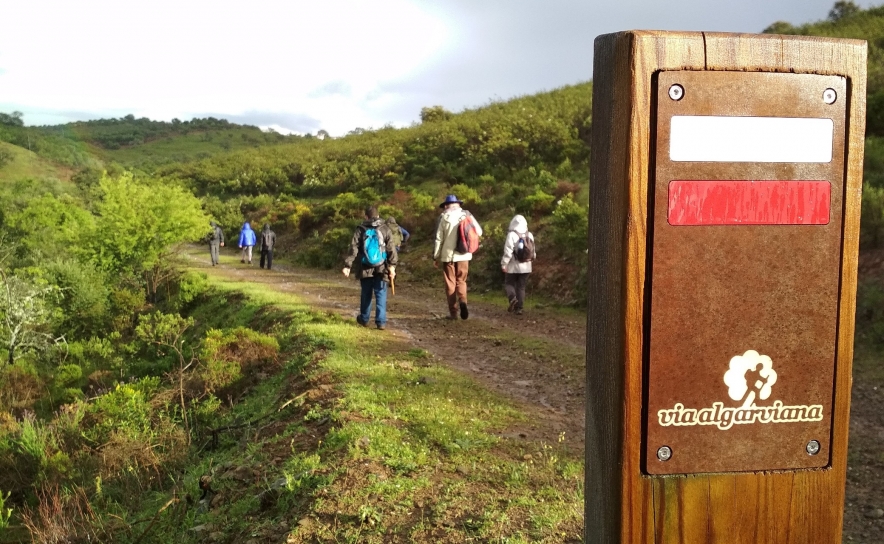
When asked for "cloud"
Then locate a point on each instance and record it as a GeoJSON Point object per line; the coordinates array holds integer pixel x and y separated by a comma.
{"type": "Point", "coordinates": [331, 88]}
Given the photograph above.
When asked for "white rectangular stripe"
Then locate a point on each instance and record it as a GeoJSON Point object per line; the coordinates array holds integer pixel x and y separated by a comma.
{"type": "Point", "coordinates": [750, 139]}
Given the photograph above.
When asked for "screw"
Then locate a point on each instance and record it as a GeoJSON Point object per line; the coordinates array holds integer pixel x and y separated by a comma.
{"type": "Point", "coordinates": [664, 453]}
{"type": "Point", "coordinates": [830, 96]}
{"type": "Point", "coordinates": [813, 447]}
{"type": "Point", "coordinates": [676, 92]}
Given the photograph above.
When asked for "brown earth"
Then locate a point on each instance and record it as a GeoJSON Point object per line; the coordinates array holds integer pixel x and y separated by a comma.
{"type": "Point", "coordinates": [538, 360]}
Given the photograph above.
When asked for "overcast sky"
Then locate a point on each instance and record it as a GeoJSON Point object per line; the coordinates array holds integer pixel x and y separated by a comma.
{"type": "Point", "coordinates": [324, 64]}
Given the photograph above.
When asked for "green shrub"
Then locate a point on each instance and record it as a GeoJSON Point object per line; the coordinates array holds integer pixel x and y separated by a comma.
{"type": "Point", "coordinates": [568, 227]}
{"type": "Point", "coordinates": [126, 409]}
{"type": "Point", "coordinates": [85, 290]}
{"type": "Point", "coordinates": [871, 234]}
{"type": "Point", "coordinates": [537, 204]}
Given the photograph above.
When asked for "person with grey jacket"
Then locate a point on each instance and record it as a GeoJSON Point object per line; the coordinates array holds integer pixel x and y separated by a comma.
{"type": "Point", "coordinates": [216, 241]}
{"type": "Point", "coordinates": [455, 265]}
{"type": "Point", "coordinates": [519, 243]}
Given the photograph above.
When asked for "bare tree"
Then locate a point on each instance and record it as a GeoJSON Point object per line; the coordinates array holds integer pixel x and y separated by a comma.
{"type": "Point", "coordinates": [25, 316]}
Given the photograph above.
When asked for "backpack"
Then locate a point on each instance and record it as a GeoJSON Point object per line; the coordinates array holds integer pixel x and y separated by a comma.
{"type": "Point", "coordinates": [373, 252]}
{"type": "Point", "coordinates": [467, 236]}
{"type": "Point", "coordinates": [267, 240]}
{"type": "Point", "coordinates": [397, 235]}
{"type": "Point", "coordinates": [524, 250]}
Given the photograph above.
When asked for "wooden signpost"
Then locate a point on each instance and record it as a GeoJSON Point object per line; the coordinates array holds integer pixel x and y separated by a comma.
{"type": "Point", "coordinates": [725, 192]}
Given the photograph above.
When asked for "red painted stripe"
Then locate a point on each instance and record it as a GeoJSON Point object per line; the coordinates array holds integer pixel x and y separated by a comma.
{"type": "Point", "coordinates": [747, 202]}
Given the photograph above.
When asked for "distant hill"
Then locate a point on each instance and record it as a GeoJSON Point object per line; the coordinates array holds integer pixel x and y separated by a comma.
{"type": "Point", "coordinates": [847, 20]}
{"type": "Point", "coordinates": [19, 163]}
{"type": "Point", "coordinates": [128, 142]}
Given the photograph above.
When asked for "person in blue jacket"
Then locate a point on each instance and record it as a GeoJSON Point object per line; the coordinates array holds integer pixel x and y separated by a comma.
{"type": "Point", "coordinates": [247, 239]}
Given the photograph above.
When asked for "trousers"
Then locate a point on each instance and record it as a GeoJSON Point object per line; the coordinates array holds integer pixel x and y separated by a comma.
{"type": "Point", "coordinates": [455, 275]}
{"type": "Point", "coordinates": [267, 255]}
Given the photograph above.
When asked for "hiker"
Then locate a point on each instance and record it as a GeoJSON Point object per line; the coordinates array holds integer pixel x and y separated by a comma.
{"type": "Point", "coordinates": [246, 241]}
{"type": "Point", "coordinates": [400, 235]}
{"type": "Point", "coordinates": [268, 240]}
{"type": "Point", "coordinates": [454, 258]}
{"type": "Point", "coordinates": [518, 252]}
{"type": "Point", "coordinates": [216, 241]}
{"type": "Point", "coordinates": [373, 250]}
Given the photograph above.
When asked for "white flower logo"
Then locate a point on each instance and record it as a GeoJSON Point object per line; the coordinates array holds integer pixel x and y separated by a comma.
{"type": "Point", "coordinates": [735, 378]}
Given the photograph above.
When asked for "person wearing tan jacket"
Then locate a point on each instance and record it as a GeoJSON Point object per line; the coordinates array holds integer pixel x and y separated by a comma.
{"type": "Point", "coordinates": [455, 266]}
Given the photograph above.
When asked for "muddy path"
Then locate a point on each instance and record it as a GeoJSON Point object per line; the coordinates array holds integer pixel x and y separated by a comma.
{"type": "Point", "coordinates": [536, 359]}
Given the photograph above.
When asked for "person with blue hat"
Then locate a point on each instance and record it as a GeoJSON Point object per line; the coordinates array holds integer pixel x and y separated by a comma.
{"type": "Point", "coordinates": [456, 238]}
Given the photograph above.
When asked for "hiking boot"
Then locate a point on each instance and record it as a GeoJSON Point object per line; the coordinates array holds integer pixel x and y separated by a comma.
{"type": "Point", "coordinates": [519, 311]}
{"type": "Point", "coordinates": [452, 317]}
{"type": "Point", "coordinates": [512, 306]}
{"type": "Point", "coordinates": [243, 261]}
{"type": "Point", "coordinates": [381, 327]}
{"type": "Point", "coordinates": [464, 312]}
{"type": "Point", "coordinates": [360, 321]}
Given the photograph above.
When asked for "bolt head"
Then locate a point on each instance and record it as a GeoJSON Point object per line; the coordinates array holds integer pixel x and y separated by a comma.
{"type": "Point", "coordinates": [813, 447]}
{"type": "Point", "coordinates": [664, 453]}
{"type": "Point", "coordinates": [676, 92]}
{"type": "Point", "coordinates": [830, 96]}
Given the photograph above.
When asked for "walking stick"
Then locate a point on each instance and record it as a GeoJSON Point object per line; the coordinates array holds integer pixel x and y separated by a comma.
{"type": "Point", "coordinates": [393, 284]}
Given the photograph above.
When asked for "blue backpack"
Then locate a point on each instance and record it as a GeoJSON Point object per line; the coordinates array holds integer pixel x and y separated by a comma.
{"type": "Point", "coordinates": [373, 250]}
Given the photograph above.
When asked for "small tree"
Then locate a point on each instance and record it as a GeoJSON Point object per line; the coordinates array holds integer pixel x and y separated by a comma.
{"type": "Point", "coordinates": [166, 331]}
{"type": "Point", "coordinates": [26, 312]}
{"type": "Point", "coordinates": [842, 9]}
{"type": "Point", "coordinates": [139, 226]}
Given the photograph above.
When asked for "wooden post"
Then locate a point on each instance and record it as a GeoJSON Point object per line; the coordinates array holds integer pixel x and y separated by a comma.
{"type": "Point", "coordinates": [693, 294]}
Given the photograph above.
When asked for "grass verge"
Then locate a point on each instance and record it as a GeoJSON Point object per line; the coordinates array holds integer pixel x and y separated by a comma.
{"type": "Point", "coordinates": [363, 438]}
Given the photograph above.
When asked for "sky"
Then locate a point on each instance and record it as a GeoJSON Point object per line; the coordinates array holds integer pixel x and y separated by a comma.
{"type": "Point", "coordinates": [334, 65]}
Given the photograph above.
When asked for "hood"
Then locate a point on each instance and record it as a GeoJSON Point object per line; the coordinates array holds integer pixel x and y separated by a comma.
{"type": "Point", "coordinates": [391, 221]}
{"type": "Point", "coordinates": [266, 227]}
{"type": "Point", "coordinates": [246, 226]}
{"type": "Point", "coordinates": [373, 222]}
{"type": "Point", "coordinates": [519, 224]}
{"type": "Point", "coordinates": [213, 224]}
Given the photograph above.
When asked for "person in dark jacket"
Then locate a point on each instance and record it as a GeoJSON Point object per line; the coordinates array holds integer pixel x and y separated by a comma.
{"type": "Point", "coordinates": [247, 240]}
{"type": "Point", "coordinates": [374, 278]}
{"type": "Point", "coordinates": [216, 241]}
{"type": "Point", "coordinates": [400, 235]}
{"type": "Point", "coordinates": [268, 240]}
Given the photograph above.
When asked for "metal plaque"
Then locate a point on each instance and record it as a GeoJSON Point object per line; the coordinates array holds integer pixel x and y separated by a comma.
{"type": "Point", "coordinates": [745, 257]}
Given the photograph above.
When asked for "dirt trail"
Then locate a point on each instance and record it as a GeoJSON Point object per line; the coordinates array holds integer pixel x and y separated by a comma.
{"type": "Point", "coordinates": [536, 359]}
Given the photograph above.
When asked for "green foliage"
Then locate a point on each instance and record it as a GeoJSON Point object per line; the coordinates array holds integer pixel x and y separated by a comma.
{"type": "Point", "coordinates": [125, 409]}
{"type": "Point", "coordinates": [139, 223]}
{"type": "Point", "coordinates": [872, 220]}
{"type": "Point", "coordinates": [537, 204]}
{"type": "Point", "coordinates": [5, 513]}
{"type": "Point", "coordinates": [6, 157]}
{"type": "Point", "coordinates": [85, 301]}
{"type": "Point", "coordinates": [51, 226]}
{"type": "Point", "coordinates": [27, 312]}
{"type": "Point", "coordinates": [847, 20]}
{"type": "Point", "coordinates": [568, 227]}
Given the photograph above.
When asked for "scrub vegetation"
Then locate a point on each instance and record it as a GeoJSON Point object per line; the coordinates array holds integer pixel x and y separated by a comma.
{"type": "Point", "coordinates": [142, 400]}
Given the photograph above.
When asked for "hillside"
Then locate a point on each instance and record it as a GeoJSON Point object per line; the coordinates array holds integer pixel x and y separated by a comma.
{"type": "Point", "coordinates": [18, 163]}
{"type": "Point", "coordinates": [528, 155]}
{"type": "Point", "coordinates": [847, 20]}
{"type": "Point", "coordinates": [132, 143]}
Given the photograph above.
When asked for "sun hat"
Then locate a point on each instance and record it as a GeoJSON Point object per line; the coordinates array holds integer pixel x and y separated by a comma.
{"type": "Point", "coordinates": [450, 199]}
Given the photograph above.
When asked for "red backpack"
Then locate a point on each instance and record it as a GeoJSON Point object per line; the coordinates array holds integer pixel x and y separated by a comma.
{"type": "Point", "coordinates": [467, 235]}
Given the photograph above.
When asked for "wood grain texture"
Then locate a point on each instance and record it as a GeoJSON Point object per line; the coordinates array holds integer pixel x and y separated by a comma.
{"type": "Point", "coordinates": [622, 505]}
